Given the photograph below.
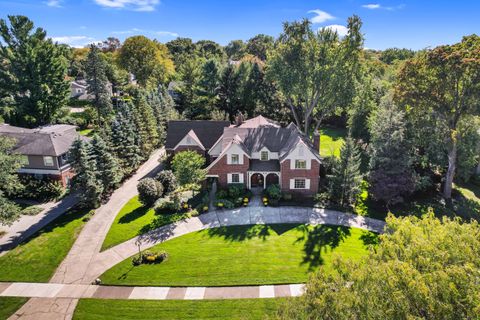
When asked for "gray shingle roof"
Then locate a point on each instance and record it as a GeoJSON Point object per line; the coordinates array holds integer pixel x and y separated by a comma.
{"type": "Point", "coordinates": [207, 131]}
{"type": "Point", "coordinates": [259, 165]}
{"type": "Point", "coordinates": [51, 140]}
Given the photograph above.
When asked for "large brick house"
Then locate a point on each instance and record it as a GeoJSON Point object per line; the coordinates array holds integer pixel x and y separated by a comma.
{"type": "Point", "coordinates": [257, 152]}
{"type": "Point", "coordinates": [45, 150]}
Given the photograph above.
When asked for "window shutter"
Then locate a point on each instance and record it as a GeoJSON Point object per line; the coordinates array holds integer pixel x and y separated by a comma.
{"type": "Point", "coordinates": [240, 158]}
{"type": "Point", "coordinates": [229, 178]}
{"type": "Point", "coordinates": [292, 164]}
{"type": "Point", "coordinates": [308, 164]}
{"type": "Point", "coordinates": [307, 183]}
{"type": "Point", "coordinates": [240, 178]}
{"type": "Point", "coordinates": [229, 158]}
{"type": "Point", "coordinates": [292, 183]}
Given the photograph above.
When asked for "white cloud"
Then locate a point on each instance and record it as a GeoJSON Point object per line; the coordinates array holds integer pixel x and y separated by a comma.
{"type": "Point", "coordinates": [151, 32]}
{"type": "Point", "coordinates": [341, 30]}
{"type": "Point", "coordinates": [74, 41]}
{"type": "Point", "coordinates": [321, 16]}
{"type": "Point", "coordinates": [135, 5]}
{"type": "Point", "coordinates": [375, 6]}
{"type": "Point", "coordinates": [54, 3]}
{"type": "Point", "coordinates": [372, 6]}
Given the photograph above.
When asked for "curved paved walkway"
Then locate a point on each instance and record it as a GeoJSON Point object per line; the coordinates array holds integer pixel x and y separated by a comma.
{"type": "Point", "coordinates": [241, 216]}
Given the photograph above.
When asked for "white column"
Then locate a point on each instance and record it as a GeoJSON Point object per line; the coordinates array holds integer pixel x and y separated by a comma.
{"type": "Point", "coordinates": [264, 180]}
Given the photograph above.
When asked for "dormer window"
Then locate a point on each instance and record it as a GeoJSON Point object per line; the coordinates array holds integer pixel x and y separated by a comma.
{"type": "Point", "coordinates": [234, 159]}
{"type": "Point", "coordinates": [264, 155]}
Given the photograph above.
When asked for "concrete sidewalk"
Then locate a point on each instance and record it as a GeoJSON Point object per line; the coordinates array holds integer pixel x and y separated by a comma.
{"type": "Point", "coordinates": [79, 291]}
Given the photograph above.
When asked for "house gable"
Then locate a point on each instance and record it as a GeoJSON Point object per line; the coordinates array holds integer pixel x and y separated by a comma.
{"type": "Point", "coordinates": [301, 151]}
{"type": "Point", "coordinates": [189, 140]}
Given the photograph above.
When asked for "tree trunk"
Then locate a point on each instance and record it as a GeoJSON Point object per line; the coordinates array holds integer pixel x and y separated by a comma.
{"type": "Point", "coordinates": [452, 164]}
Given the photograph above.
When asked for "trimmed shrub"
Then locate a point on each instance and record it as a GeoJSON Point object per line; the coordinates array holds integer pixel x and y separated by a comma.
{"type": "Point", "coordinates": [224, 203]}
{"type": "Point", "coordinates": [221, 194]}
{"type": "Point", "coordinates": [149, 190]}
{"type": "Point", "coordinates": [167, 206]}
{"type": "Point", "coordinates": [148, 257]}
{"type": "Point", "coordinates": [168, 181]}
{"type": "Point", "coordinates": [274, 192]}
{"type": "Point", "coordinates": [44, 189]}
{"type": "Point", "coordinates": [235, 190]}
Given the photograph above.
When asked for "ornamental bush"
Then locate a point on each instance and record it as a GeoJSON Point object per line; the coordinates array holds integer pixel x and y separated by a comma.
{"type": "Point", "coordinates": [149, 190]}
{"type": "Point", "coordinates": [273, 192]}
{"type": "Point", "coordinates": [168, 181]}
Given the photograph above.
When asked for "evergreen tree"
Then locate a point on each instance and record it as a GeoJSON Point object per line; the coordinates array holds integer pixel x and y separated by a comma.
{"type": "Point", "coordinates": [146, 124]}
{"type": "Point", "coordinates": [86, 181]}
{"type": "Point", "coordinates": [108, 169]}
{"type": "Point", "coordinates": [347, 178]}
{"type": "Point", "coordinates": [228, 91]}
{"type": "Point", "coordinates": [33, 88]}
{"type": "Point", "coordinates": [125, 140]}
{"type": "Point", "coordinates": [97, 81]}
{"type": "Point", "coordinates": [163, 110]}
{"type": "Point", "coordinates": [391, 174]}
{"type": "Point", "coordinates": [10, 162]}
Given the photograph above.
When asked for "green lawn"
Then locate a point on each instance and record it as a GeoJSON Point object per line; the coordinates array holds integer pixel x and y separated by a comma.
{"type": "Point", "coordinates": [8, 305]}
{"type": "Point", "coordinates": [244, 309]}
{"type": "Point", "coordinates": [134, 219]}
{"type": "Point", "coordinates": [37, 259]}
{"type": "Point", "coordinates": [331, 140]}
{"type": "Point", "coordinates": [243, 255]}
{"type": "Point", "coordinates": [86, 132]}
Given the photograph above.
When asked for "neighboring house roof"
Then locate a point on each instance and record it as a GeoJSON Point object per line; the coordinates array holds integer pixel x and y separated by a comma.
{"type": "Point", "coordinates": [53, 140]}
{"type": "Point", "coordinates": [206, 131]}
{"type": "Point", "coordinates": [258, 122]}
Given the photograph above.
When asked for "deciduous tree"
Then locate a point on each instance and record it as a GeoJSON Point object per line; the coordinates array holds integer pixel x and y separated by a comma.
{"type": "Point", "coordinates": [188, 167]}
{"type": "Point", "coordinates": [444, 83]}
{"type": "Point", "coordinates": [9, 164]}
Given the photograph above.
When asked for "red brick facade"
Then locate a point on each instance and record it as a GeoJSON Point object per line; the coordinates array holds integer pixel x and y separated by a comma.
{"type": "Point", "coordinates": [312, 174]}
{"type": "Point", "coordinates": [221, 168]}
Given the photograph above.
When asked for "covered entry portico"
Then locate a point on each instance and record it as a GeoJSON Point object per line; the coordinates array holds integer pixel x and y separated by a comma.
{"type": "Point", "coordinates": [261, 174]}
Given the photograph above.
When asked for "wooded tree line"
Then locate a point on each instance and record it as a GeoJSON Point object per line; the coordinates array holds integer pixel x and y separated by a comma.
{"type": "Point", "coordinates": [412, 115]}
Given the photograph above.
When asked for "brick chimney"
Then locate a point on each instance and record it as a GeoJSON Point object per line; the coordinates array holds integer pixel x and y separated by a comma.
{"type": "Point", "coordinates": [316, 141]}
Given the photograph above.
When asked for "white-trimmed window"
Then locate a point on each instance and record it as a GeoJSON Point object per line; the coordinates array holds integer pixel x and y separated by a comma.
{"type": "Point", "coordinates": [264, 155]}
{"type": "Point", "coordinates": [79, 90]}
{"type": "Point", "coordinates": [234, 159]}
{"type": "Point", "coordinates": [300, 164]}
{"type": "Point", "coordinates": [299, 184]}
{"type": "Point", "coordinates": [235, 178]}
{"type": "Point", "coordinates": [188, 140]}
{"type": "Point", "coordinates": [48, 161]}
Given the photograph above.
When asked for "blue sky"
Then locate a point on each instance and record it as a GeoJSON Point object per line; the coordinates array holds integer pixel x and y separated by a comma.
{"type": "Point", "coordinates": [411, 24]}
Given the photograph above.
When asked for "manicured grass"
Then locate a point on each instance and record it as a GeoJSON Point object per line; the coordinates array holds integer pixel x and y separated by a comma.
{"type": "Point", "coordinates": [8, 305]}
{"type": "Point", "coordinates": [331, 140]}
{"type": "Point", "coordinates": [86, 132]}
{"type": "Point", "coordinates": [134, 219]}
{"type": "Point", "coordinates": [245, 309]}
{"type": "Point", "coordinates": [37, 259]}
{"type": "Point", "coordinates": [243, 255]}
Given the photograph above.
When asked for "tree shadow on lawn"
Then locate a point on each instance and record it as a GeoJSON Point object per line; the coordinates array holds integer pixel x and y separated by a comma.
{"type": "Point", "coordinates": [242, 233]}
{"type": "Point", "coordinates": [134, 215]}
{"type": "Point", "coordinates": [320, 239]}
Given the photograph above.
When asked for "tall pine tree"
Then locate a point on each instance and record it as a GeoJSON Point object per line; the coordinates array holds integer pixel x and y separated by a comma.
{"type": "Point", "coordinates": [86, 181]}
{"type": "Point", "coordinates": [33, 88]}
{"type": "Point", "coordinates": [346, 178]}
{"type": "Point", "coordinates": [391, 174]}
{"type": "Point", "coordinates": [97, 81]}
{"type": "Point", "coordinates": [108, 168]}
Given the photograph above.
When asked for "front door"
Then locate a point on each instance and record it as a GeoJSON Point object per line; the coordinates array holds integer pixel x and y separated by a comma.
{"type": "Point", "coordinates": [256, 180]}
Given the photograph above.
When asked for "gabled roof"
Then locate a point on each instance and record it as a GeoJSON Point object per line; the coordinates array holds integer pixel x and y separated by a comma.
{"type": "Point", "coordinates": [206, 131]}
{"type": "Point", "coordinates": [51, 140]}
{"type": "Point", "coordinates": [257, 122]}
{"type": "Point", "coordinates": [194, 137]}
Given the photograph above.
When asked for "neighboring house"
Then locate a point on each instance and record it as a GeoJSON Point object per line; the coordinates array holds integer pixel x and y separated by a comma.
{"type": "Point", "coordinates": [78, 90]}
{"type": "Point", "coordinates": [45, 150]}
{"type": "Point", "coordinates": [257, 152]}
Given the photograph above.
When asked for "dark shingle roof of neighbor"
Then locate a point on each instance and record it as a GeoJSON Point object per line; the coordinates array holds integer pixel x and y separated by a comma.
{"type": "Point", "coordinates": [53, 140]}
{"type": "Point", "coordinates": [259, 165]}
{"type": "Point", "coordinates": [206, 130]}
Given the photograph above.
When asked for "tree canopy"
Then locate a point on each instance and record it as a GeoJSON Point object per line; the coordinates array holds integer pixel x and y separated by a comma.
{"type": "Point", "coordinates": [33, 87]}
{"type": "Point", "coordinates": [422, 268]}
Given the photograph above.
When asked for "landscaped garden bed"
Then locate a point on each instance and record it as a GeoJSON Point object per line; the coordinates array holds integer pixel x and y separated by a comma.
{"type": "Point", "coordinates": [243, 255]}
{"type": "Point", "coordinates": [234, 196]}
